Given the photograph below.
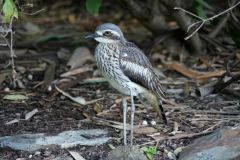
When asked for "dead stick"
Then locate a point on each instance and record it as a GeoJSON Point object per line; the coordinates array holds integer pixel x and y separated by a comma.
{"type": "Point", "coordinates": [191, 135]}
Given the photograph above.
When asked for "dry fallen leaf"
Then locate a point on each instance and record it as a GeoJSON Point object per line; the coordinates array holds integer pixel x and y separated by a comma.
{"type": "Point", "coordinates": [76, 155]}
{"type": "Point", "coordinates": [80, 56]}
{"type": "Point", "coordinates": [30, 114]}
{"type": "Point", "coordinates": [207, 75]}
{"type": "Point", "coordinates": [184, 71]}
{"type": "Point", "coordinates": [76, 71]}
{"type": "Point", "coordinates": [12, 121]}
{"type": "Point", "coordinates": [200, 76]}
{"type": "Point", "coordinates": [15, 97]}
{"type": "Point", "coordinates": [144, 130]}
{"type": "Point", "coordinates": [97, 108]}
{"type": "Point", "coordinates": [79, 100]}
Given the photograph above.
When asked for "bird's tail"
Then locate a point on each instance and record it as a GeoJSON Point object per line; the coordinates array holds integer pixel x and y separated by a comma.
{"type": "Point", "coordinates": [154, 102]}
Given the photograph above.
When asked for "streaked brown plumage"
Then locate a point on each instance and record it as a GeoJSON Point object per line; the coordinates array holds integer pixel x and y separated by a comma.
{"type": "Point", "coordinates": [136, 57]}
{"type": "Point", "coordinates": [127, 69]}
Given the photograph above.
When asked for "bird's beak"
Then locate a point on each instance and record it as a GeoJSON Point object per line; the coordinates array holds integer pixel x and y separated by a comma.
{"type": "Point", "coordinates": [92, 36]}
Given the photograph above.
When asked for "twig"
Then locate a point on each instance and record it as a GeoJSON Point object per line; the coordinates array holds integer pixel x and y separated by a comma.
{"type": "Point", "coordinates": [212, 127]}
{"type": "Point", "coordinates": [202, 20]}
{"type": "Point", "coordinates": [179, 136]}
{"type": "Point", "coordinates": [34, 13]}
{"type": "Point", "coordinates": [4, 33]}
{"type": "Point", "coordinates": [212, 112]}
{"type": "Point", "coordinates": [220, 26]}
{"type": "Point", "coordinates": [30, 5]}
{"type": "Point", "coordinates": [232, 14]}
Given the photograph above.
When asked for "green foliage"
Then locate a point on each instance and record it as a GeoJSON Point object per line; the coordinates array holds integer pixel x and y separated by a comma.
{"type": "Point", "coordinates": [150, 151]}
{"type": "Point", "coordinates": [9, 10]}
{"type": "Point", "coordinates": [199, 8]}
{"type": "Point", "coordinates": [204, 4]}
{"type": "Point", "coordinates": [93, 6]}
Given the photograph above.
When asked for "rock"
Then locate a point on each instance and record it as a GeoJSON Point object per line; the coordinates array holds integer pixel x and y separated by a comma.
{"type": "Point", "coordinates": [65, 139]}
{"type": "Point", "coordinates": [126, 153]}
{"type": "Point", "coordinates": [223, 144]}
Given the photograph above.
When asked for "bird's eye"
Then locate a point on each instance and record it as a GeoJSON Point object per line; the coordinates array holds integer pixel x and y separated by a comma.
{"type": "Point", "coordinates": [107, 33]}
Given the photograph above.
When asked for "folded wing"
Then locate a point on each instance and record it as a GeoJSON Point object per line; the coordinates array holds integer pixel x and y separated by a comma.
{"type": "Point", "coordinates": [137, 67]}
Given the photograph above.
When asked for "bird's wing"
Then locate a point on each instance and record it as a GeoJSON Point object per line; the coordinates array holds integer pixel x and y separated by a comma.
{"type": "Point", "coordinates": [137, 67]}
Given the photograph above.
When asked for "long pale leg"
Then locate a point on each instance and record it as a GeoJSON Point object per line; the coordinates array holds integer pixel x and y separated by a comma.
{"type": "Point", "coordinates": [132, 119]}
{"type": "Point", "coordinates": [124, 103]}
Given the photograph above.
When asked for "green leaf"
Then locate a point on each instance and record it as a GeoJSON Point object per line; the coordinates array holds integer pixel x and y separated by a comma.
{"type": "Point", "coordinates": [149, 156]}
{"type": "Point", "coordinates": [205, 4]}
{"type": "Point", "coordinates": [199, 9]}
{"type": "Point", "coordinates": [150, 151]}
{"type": "Point", "coordinates": [15, 97]}
{"type": "Point", "coordinates": [93, 6]}
{"type": "Point", "coordinates": [9, 10]}
{"type": "Point", "coordinates": [200, 12]}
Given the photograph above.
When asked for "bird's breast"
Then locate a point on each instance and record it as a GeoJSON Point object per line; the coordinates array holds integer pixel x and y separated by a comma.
{"type": "Point", "coordinates": [107, 58]}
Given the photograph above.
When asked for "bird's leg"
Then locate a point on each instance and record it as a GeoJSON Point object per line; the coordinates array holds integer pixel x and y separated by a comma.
{"type": "Point", "coordinates": [124, 104]}
{"type": "Point", "coordinates": [132, 119]}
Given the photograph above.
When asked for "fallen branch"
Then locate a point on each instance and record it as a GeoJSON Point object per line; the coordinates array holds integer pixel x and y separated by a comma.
{"type": "Point", "coordinates": [222, 85]}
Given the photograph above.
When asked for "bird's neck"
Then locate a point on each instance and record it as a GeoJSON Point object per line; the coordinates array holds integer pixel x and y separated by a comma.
{"type": "Point", "coordinates": [114, 45]}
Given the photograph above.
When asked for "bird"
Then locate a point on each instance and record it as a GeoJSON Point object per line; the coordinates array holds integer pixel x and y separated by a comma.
{"type": "Point", "coordinates": [128, 70]}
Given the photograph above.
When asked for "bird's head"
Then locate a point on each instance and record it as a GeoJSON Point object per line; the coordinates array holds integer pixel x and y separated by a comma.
{"type": "Point", "coordinates": [107, 33]}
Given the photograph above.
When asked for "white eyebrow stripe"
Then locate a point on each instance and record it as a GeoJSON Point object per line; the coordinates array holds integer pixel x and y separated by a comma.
{"type": "Point", "coordinates": [104, 40]}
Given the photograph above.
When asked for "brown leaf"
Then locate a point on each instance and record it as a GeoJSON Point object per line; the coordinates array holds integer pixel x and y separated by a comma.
{"type": "Point", "coordinates": [195, 74]}
{"type": "Point", "coordinates": [97, 108]}
{"type": "Point", "coordinates": [80, 56]}
{"type": "Point", "coordinates": [76, 155]}
{"type": "Point", "coordinates": [86, 115]}
{"type": "Point", "coordinates": [76, 71]}
{"type": "Point", "coordinates": [184, 71]}
{"type": "Point", "coordinates": [207, 75]}
{"type": "Point", "coordinates": [144, 130]}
